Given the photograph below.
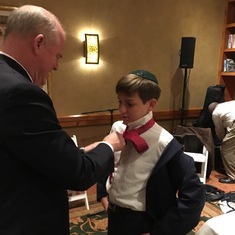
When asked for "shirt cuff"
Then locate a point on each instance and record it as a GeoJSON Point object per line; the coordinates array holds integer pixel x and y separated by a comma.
{"type": "Point", "coordinates": [105, 142]}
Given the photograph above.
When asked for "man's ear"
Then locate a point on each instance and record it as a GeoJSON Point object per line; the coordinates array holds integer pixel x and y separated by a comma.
{"type": "Point", "coordinates": [37, 43]}
{"type": "Point", "coordinates": [152, 104]}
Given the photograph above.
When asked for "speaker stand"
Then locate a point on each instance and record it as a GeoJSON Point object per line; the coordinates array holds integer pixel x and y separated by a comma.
{"type": "Point", "coordinates": [182, 109]}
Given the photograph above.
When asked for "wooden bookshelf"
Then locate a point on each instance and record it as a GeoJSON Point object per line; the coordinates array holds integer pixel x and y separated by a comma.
{"type": "Point", "coordinates": [225, 77]}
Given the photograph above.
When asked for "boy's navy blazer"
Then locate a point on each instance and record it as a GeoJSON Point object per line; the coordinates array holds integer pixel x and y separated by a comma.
{"type": "Point", "coordinates": [175, 170]}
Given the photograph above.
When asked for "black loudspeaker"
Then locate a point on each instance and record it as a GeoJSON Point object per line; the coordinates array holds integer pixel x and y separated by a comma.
{"type": "Point", "coordinates": [187, 52]}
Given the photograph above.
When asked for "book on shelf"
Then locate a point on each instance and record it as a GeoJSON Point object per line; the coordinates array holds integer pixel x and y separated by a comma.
{"type": "Point", "coordinates": [229, 65]}
{"type": "Point", "coordinates": [231, 41]}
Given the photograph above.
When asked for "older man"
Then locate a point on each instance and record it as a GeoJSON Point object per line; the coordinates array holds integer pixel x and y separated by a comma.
{"type": "Point", "coordinates": [38, 160]}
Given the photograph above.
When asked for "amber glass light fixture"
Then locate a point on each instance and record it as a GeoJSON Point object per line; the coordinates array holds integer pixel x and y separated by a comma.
{"type": "Point", "coordinates": [92, 48]}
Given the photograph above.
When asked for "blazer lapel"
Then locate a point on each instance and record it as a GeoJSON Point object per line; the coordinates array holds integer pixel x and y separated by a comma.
{"type": "Point", "coordinates": [171, 149]}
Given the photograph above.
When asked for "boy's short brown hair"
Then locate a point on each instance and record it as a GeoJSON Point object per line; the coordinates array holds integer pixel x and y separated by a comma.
{"type": "Point", "coordinates": [132, 83]}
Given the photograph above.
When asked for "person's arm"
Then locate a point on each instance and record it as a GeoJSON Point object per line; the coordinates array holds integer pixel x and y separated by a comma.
{"type": "Point", "coordinates": [32, 132]}
{"type": "Point", "coordinates": [185, 213]}
{"type": "Point", "coordinates": [101, 193]}
{"type": "Point", "coordinates": [114, 140]}
{"type": "Point", "coordinates": [191, 192]}
{"type": "Point", "coordinates": [219, 128]}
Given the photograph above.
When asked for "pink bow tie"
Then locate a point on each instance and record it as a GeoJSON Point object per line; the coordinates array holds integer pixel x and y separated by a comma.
{"type": "Point", "coordinates": [134, 136]}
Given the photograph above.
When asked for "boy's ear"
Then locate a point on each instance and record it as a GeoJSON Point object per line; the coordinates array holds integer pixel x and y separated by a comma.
{"type": "Point", "coordinates": [152, 104]}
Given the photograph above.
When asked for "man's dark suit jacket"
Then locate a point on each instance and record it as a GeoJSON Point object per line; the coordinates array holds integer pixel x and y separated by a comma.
{"type": "Point", "coordinates": [38, 160]}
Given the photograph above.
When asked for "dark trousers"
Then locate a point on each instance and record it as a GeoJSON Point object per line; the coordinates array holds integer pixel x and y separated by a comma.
{"type": "Point", "coordinates": [135, 223]}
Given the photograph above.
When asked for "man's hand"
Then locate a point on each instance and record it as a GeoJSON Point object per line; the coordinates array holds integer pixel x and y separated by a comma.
{"type": "Point", "coordinates": [91, 146]}
{"type": "Point", "coordinates": [116, 140]}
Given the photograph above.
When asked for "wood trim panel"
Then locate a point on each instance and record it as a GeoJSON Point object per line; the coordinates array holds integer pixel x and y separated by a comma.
{"type": "Point", "coordinates": [105, 118]}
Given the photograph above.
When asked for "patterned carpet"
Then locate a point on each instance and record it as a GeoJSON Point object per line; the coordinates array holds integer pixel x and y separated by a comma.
{"type": "Point", "coordinates": [96, 224]}
{"type": "Point", "coordinates": [89, 224]}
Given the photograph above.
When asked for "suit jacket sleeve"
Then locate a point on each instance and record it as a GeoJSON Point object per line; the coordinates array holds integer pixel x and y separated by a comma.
{"type": "Point", "coordinates": [33, 135]}
{"type": "Point", "coordinates": [190, 195]}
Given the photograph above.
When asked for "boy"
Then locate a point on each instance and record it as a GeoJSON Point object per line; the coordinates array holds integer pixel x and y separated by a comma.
{"type": "Point", "coordinates": [155, 188]}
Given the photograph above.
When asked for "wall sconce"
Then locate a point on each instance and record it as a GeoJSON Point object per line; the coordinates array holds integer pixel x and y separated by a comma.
{"type": "Point", "coordinates": [92, 48]}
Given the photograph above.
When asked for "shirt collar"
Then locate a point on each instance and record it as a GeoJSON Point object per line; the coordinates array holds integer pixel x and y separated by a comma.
{"type": "Point", "coordinates": [3, 53]}
{"type": "Point", "coordinates": [141, 121]}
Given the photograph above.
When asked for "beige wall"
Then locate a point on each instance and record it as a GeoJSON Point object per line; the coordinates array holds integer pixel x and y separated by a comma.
{"type": "Point", "coordinates": [87, 135]}
{"type": "Point", "coordinates": [134, 35]}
